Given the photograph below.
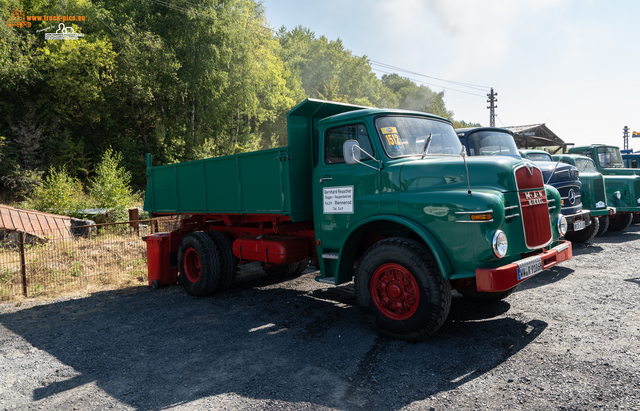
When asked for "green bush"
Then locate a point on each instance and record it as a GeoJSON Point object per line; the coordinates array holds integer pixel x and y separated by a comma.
{"type": "Point", "coordinates": [58, 194]}
{"type": "Point", "coordinates": [110, 187]}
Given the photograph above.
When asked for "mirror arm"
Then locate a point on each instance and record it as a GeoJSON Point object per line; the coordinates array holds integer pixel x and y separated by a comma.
{"type": "Point", "coordinates": [360, 162]}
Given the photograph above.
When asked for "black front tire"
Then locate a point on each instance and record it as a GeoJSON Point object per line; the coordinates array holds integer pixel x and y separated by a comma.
{"type": "Point", "coordinates": [401, 290]}
{"type": "Point", "coordinates": [586, 233]}
{"type": "Point", "coordinates": [619, 222]}
{"type": "Point", "coordinates": [199, 264]}
{"type": "Point", "coordinates": [604, 225]}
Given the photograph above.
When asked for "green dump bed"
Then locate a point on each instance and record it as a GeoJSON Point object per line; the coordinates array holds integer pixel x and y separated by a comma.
{"type": "Point", "coordinates": [275, 181]}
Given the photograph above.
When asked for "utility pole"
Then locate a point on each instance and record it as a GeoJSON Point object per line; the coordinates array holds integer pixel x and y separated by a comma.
{"type": "Point", "coordinates": [625, 136]}
{"type": "Point", "coordinates": [492, 106]}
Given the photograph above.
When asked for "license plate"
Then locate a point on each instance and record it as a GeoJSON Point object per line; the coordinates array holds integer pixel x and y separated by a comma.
{"type": "Point", "coordinates": [578, 225]}
{"type": "Point", "coordinates": [528, 267]}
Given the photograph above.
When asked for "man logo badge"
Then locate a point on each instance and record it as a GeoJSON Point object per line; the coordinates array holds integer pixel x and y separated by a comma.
{"type": "Point", "coordinates": [529, 167]}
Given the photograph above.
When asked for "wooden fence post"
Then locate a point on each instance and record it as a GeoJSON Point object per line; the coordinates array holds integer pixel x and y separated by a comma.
{"type": "Point", "coordinates": [133, 220]}
{"type": "Point", "coordinates": [23, 265]}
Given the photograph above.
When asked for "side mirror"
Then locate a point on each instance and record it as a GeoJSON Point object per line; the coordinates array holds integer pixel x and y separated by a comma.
{"type": "Point", "coordinates": [351, 152]}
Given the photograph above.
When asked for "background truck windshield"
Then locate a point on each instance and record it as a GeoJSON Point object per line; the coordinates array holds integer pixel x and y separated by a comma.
{"type": "Point", "coordinates": [405, 136]}
{"type": "Point", "coordinates": [610, 157]}
{"type": "Point", "coordinates": [539, 157]}
{"type": "Point", "coordinates": [491, 143]}
{"type": "Point", "coordinates": [585, 165]}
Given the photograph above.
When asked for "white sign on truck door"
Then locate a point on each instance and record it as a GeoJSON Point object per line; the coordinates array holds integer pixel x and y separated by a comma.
{"type": "Point", "coordinates": [338, 200]}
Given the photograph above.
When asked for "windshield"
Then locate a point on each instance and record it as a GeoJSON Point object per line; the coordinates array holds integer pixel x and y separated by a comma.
{"type": "Point", "coordinates": [539, 157]}
{"type": "Point", "coordinates": [491, 143]}
{"type": "Point", "coordinates": [585, 165]}
{"type": "Point", "coordinates": [610, 157]}
{"type": "Point", "coordinates": [406, 136]}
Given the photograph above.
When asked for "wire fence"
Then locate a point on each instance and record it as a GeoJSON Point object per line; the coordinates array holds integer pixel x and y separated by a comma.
{"type": "Point", "coordinates": [86, 258]}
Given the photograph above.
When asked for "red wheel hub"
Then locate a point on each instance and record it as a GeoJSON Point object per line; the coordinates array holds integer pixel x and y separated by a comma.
{"type": "Point", "coordinates": [191, 264]}
{"type": "Point", "coordinates": [395, 291]}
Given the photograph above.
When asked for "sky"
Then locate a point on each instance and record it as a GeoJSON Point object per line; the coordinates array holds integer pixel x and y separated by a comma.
{"type": "Point", "coordinates": [572, 64]}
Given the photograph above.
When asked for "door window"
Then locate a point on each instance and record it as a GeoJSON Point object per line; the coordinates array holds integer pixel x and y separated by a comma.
{"type": "Point", "coordinates": [335, 138]}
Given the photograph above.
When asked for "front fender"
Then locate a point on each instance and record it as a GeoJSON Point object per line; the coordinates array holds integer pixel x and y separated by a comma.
{"type": "Point", "coordinates": [347, 252]}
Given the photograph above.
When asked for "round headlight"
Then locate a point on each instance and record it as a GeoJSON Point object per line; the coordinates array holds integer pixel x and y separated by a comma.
{"type": "Point", "coordinates": [562, 225]}
{"type": "Point", "coordinates": [617, 195]}
{"type": "Point", "coordinates": [500, 244]}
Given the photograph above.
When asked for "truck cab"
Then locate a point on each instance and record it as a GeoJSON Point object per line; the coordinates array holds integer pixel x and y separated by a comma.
{"type": "Point", "coordinates": [630, 159]}
{"type": "Point", "coordinates": [622, 184]}
{"type": "Point", "coordinates": [383, 197]}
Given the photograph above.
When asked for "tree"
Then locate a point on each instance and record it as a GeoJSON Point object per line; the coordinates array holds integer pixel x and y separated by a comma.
{"type": "Point", "coordinates": [110, 188]}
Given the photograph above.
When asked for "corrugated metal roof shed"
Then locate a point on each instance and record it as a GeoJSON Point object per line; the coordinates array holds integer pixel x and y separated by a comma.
{"type": "Point", "coordinates": [35, 223]}
{"type": "Point", "coordinates": [537, 135]}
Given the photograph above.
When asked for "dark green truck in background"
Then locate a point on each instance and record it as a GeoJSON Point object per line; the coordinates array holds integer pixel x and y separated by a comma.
{"type": "Point", "coordinates": [622, 184]}
{"type": "Point", "coordinates": [383, 197]}
{"type": "Point", "coordinates": [594, 195]}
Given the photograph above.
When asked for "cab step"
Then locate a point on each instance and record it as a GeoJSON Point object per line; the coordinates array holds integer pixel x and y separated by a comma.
{"type": "Point", "coordinates": [328, 280]}
{"type": "Point", "coordinates": [330, 256]}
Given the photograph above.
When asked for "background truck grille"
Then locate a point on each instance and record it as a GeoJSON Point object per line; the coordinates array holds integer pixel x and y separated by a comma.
{"type": "Point", "coordinates": [533, 202]}
{"type": "Point", "coordinates": [598, 188]}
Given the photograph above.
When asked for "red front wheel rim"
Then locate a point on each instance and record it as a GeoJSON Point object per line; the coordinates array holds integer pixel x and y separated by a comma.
{"type": "Point", "coordinates": [192, 265]}
{"type": "Point", "coordinates": [395, 291]}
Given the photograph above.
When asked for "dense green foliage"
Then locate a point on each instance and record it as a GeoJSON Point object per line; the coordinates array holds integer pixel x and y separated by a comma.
{"type": "Point", "coordinates": [180, 80]}
{"type": "Point", "coordinates": [59, 193]}
{"type": "Point", "coordinates": [63, 194]}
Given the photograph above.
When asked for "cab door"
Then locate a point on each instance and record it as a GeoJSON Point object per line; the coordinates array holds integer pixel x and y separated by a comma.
{"type": "Point", "coordinates": [345, 194]}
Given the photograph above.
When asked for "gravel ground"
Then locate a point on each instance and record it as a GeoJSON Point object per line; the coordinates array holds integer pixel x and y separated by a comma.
{"type": "Point", "coordinates": [567, 339]}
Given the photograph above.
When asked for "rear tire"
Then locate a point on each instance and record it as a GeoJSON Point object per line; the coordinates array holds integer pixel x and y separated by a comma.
{"type": "Point", "coordinates": [586, 233]}
{"type": "Point", "coordinates": [619, 222]}
{"type": "Point", "coordinates": [604, 225]}
{"type": "Point", "coordinates": [199, 264]}
{"type": "Point", "coordinates": [471, 292]}
{"type": "Point", "coordinates": [636, 218]}
{"type": "Point", "coordinates": [401, 290]}
{"type": "Point", "coordinates": [228, 261]}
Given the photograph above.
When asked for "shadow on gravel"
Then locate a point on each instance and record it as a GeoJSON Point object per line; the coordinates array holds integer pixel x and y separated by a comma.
{"type": "Point", "coordinates": [633, 280]}
{"type": "Point", "coordinates": [615, 237]}
{"type": "Point", "coordinates": [157, 349]}
{"type": "Point", "coordinates": [585, 248]}
{"type": "Point", "coordinates": [550, 276]}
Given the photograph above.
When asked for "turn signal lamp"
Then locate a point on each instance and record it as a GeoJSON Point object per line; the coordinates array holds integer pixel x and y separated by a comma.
{"type": "Point", "coordinates": [481, 217]}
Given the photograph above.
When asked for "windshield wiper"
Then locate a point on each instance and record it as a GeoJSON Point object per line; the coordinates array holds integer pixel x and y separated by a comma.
{"type": "Point", "coordinates": [427, 143]}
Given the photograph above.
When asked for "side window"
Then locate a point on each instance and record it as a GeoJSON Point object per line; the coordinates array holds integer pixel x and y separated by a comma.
{"type": "Point", "coordinates": [335, 138]}
{"type": "Point", "coordinates": [634, 163]}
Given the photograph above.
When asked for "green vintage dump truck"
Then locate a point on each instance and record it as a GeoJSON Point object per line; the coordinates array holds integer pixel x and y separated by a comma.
{"type": "Point", "coordinates": [622, 184]}
{"type": "Point", "coordinates": [593, 193]}
{"type": "Point", "coordinates": [383, 197]}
